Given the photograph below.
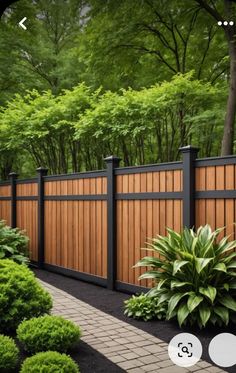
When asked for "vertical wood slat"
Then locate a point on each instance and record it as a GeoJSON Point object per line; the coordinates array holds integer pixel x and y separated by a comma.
{"type": "Point", "coordinates": [139, 220]}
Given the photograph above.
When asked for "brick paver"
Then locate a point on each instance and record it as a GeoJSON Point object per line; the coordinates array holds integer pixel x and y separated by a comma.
{"type": "Point", "coordinates": [130, 348]}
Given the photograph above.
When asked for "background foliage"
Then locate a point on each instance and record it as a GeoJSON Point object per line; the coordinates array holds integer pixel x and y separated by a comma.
{"type": "Point", "coordinates": [135, 78]}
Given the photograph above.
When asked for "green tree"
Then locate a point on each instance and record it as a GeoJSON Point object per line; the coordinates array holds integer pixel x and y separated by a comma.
{"type": "Point", "coordinates": [221, 11]}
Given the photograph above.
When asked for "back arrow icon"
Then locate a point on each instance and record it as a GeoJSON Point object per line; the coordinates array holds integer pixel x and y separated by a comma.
{"type": "Point", "coordinates": [21, 23]}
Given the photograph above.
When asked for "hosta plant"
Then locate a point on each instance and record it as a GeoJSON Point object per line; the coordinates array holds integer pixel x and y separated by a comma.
{"type": "Point", "coordinates": [195, 276]}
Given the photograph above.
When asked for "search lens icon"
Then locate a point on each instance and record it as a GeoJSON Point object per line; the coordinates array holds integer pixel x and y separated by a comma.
{"type": "Point", "coordinates": [185, 349]}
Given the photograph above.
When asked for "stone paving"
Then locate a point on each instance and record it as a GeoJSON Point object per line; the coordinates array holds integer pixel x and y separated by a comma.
{"type": "Point", "coordinates": [130, 348]}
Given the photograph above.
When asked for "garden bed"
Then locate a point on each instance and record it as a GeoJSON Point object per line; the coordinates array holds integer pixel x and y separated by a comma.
{"type": "Point", "coordinates": [111, 302]}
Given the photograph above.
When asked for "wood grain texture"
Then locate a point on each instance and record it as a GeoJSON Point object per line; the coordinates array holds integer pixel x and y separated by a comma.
{"type": "Point", "coordinates": [139, 221]}
{"type": "Point", "coordinates": [27, 220]}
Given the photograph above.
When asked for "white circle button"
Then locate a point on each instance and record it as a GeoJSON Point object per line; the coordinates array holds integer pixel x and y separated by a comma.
{"type": "Point", "coordinates": [222, 349]}
{"type": "Point", "coordinates": [185, 350]}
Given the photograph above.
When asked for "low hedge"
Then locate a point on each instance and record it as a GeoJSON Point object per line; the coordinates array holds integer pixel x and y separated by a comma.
{"type": "Point", "coordinates": [49, 362]}
{"type": "Point", "coordinates": [48, 333]}
{"type": "Point", "coordinates": [21, 295]}
{"type": "Point", "coordinates": [9, 354]}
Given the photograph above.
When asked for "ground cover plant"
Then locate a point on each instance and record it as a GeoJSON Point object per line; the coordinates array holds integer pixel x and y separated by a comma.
{"type": "Point", "coordinates": [195, 279]}
{"type": "Point", "coordinates": [50, 362]}
{"type": "Point", "coordinates": [48, 333]}
{"type": "Point", "coordinates": [13, 244]}
{"type": "Point", "coordinates": [144, 307]}
{"type": "Point", "coordinates": [21, 295]}
{"type": "Point", "coordinates": [9, 354]}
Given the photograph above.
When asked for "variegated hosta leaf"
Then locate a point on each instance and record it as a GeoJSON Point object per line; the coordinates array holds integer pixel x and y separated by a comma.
{"type": "Point", "coordinates": [193, 301]}
{"type": "Point", "coordinates": [178, 264]}
{"type": "Point", "coordinates": [209, 292]}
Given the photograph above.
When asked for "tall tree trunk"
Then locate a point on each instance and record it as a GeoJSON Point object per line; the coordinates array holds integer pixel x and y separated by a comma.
{"type": "Point", "coordinates": [229, 14]}
{"type": "Point", "coordinates": [228, 137]}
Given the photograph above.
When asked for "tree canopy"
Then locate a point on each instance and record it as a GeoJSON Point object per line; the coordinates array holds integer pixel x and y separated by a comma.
{"type": "Point", "coordinates": [137, 78]}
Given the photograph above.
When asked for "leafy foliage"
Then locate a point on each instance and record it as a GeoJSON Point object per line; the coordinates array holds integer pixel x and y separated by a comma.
{"type": "Point", "coordinates": [138, 53]}
{"type": "Point", "coordinates": [78, 128]}
{"type": "Point", "coordinates": [50, 362]}
{"type": "Point", "coordinates": [144, 308]}
{"type": "Point", "coordinates": [196, 276]}
{"type": "Point", "coordinates": [21, 295]}
{"type": "Point", "coordinates": [13, 244]}
{"type": "Point", "coordinates": [48, 333]}
{"type": "Point", "coordinates": [9, 354]}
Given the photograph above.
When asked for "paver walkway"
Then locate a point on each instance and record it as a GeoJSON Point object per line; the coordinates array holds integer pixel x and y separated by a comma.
{"type": "Point", "coordinates": [130, 348]}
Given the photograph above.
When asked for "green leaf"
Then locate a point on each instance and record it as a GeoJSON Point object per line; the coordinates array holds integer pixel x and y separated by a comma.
{"type": "Point", "coordinates": [178, 284]}
{"type": "Point", "coordinates": [182, 313]}
{"type": "Point", "coordinates": [226, 286]}
{"type": "Point", "coordinates": [193, 301]}
{"type": "Point", "coordinates": [164, 297]}
{"type": "Point", "coordinates": [150, 274]}
{"type": "Point", "coordinates": [201, 263]}
{"type": "Point", "coordinates": [178, 264]}
{"type": "Point", "coordinates": [209, 292]}
{"type": "Point", "coordinates": [174, 300]}
{"type": "Point", "coordinates": [223, 313]}
{"type": "Point", "coordinates": [205, 313]}
{"type": "Point", "coordinates": [228, 302]}
{"type": "Point", "coordinates": [149, 261]}
{"type": "Point", "coordinates": [220, 267]}
{"type": "Point", "coordinates": [232, 265]}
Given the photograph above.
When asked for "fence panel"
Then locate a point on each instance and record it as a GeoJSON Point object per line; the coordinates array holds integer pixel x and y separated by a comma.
{"type": "Point", "coordinates": [215, 199]}
{"type": "Point", "coordinates": [27, 213]}
{"type": "Point", "coordinates": [146, 205]}
{"type": "Point", "coordinates": [76, 224]}
{"type": "Point", "coordinates": [5, 203]}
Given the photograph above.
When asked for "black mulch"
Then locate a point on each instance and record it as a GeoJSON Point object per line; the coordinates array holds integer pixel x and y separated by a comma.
{"type": "Point", "coordinates": [111, 302]}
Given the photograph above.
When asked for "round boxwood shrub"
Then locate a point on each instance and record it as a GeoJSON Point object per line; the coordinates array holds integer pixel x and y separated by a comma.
{"type": "Point", "coordinates": [48, 333]}
{"type": "Point", "coordinates": [21, 295]}
{"type": "Point", "coordinates": [50, 362]}
{"type": "Point", "coordinates": [9, 354]}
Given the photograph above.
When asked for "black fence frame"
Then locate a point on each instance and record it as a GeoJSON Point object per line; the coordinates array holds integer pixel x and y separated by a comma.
{"type": "Point", "coordinates": [187, 195]}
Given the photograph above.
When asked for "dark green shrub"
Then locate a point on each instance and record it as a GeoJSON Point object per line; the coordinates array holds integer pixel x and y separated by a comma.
{"type": "Point", "coordinates": [9, 354]}
{"type": "Point", "coordinates": [144, 307]}
{"type": "Point", "coordinates": [49, 362]}
{"type": "Point", "coordinates": [48, 333]}
{"type": "Point", "coordinates": [196, 276]}
{"type": "Point", "coordinates": [21, 295]}
{"type": "Point", "coordinates": [13, 244]}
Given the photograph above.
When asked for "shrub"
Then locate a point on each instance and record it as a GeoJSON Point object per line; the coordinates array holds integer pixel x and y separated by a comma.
{"type": "Point", "coordinates": [144, 307]}
{"type": "Point", "coordinates": [48, 333]}
{"type": "Point", "coordinates": [13, 244]}
{"type": "Point", "coordinates": [9, 354]}
{"type": "Point", "coordinates": [21, 295]}
{"type": "Point", "coordinates": [50, 362]}
{"type": "Point", "coordinates": [196, 276]}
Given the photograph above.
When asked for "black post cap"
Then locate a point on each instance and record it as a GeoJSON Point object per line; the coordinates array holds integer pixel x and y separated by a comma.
{"type": "Point", "coordinates": [189, 149]}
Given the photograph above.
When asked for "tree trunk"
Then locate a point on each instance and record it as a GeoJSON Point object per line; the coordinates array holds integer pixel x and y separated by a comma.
{"type": "Point", "coordinates": [228, 137]}
{"type": "Point", "coordinates": [230, 31]}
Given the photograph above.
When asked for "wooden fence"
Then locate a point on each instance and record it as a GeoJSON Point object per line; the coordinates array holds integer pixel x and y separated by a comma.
{"type": "Point", "coordinates": [92, 225]}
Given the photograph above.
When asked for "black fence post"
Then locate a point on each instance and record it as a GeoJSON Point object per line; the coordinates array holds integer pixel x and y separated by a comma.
{"type": "Point", "coordinates": [189, 154]}
{"type": "Point", "coordinates": [41, 173]}
{"type": "Point", "coordinates": [13, 177]}
{"type": "Point", "coordinates": [111, 162]}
